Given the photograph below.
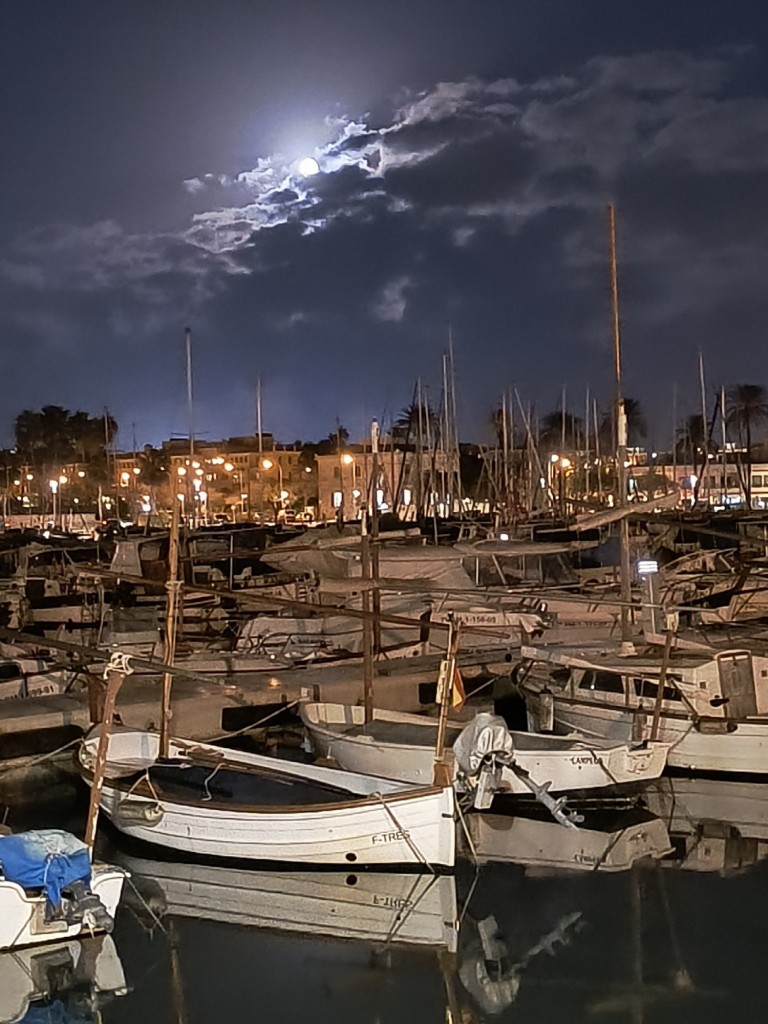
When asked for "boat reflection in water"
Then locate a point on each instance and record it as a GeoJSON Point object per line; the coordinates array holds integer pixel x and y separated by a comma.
{"type": "Point", "coordinates": [405, 909]}
{"type": "Point", "coordinates": [543, 845]}
{"type": "Point", "coordinates": [716, 824]}
{"type": "Point", "coordinates": [61, 982]}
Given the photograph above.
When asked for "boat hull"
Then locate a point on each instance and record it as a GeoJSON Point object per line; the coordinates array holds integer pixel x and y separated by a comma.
{"type": "Point", "coordinates": [568, 767]}
{"type": "Point", "coordinates": [412, 831]}
{"type": "Point", "coordinates": [742, 751]}
{"type": "Point", "coordinates": [22, 916]}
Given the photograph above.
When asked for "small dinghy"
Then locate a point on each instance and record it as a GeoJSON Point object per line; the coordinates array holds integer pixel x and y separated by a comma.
{"type": "Point", "coordinates": [50, 891]}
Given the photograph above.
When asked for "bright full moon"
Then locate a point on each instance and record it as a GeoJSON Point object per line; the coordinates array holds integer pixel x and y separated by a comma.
{"type": "Point", "coordinates": [308, 166]}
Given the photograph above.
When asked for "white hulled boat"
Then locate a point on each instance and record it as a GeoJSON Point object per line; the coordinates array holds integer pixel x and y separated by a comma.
{"type": "Point", "coordinates": [401, 746]}
{"type": "Point", "coordinates": [713, 708]}
{"type": "Point", "coordinates": [209, 801]}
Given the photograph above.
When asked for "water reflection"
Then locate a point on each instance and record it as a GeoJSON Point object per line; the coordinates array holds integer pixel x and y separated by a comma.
{"type": "Point", "coordinates": [62, 982]}
{"type": "Point", "coordinates": [648, 917]}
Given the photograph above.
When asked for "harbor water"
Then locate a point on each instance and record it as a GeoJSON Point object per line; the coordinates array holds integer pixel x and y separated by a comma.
{"type": "Point", "coordinates": [652, 914]}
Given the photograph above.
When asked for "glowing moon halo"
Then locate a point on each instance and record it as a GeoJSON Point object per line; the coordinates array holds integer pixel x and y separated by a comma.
{"type": "Point", "coordinates": [308, 166]}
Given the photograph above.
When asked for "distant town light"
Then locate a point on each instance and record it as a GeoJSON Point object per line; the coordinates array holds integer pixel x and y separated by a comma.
{"type": "Point", "coordinates": [54, 485]}
{"type": "Point", "coordinates": [347, 459]}
{"type": "Point", "coordinates": [136, 470]}
{"type": "Point", "coordinates": [81, 473]}
{"type": "Point", "coordinates": [565, 463]}
{"type": "Point", "coordinates": [228, 467]}
{"type": "Point", "coordinates": [554, 458]}
{"type": "Point", "coordinates": [503, 536]}
{"type": "Point", "coordinates": [62, 479]}
{"type": "Point", "coordinates": [182, 470]}
{"type": "Point", "coordinates": [30, 476]}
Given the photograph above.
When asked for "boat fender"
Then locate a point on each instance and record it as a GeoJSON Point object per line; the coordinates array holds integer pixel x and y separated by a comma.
{"type": "Point", "coordinates": [715, 726]}
{"type": "Point", "coordinates": [546, 710]}
{"type": "Point", "coordinates": [141, 812]}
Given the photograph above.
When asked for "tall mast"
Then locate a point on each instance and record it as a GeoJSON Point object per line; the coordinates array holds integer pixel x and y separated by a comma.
{"type": "Point", "coordinates": [188, 351]}
{"type": "Point", "coordinates": [621, 441]}
{"type": "Point", "coordinates": [723, 448]}
{"type": "Point", "coordinates": [173, 587]}
{"type": "Point", "coordinates": [258, 419]}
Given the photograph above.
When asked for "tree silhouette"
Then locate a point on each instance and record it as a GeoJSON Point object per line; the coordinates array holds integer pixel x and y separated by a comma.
{"type": "Point", "coordinates": [558, 428]}
{"type": "Point", "coordinates": [411, 419]}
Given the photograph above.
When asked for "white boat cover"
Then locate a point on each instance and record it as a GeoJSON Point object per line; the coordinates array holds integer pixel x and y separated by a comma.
{"type": "Point", "coordinates": [486, 734]}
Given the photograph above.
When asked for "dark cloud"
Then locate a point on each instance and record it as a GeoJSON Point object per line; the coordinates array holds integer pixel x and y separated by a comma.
{"type": "Point", "coordinates": [480, 202]}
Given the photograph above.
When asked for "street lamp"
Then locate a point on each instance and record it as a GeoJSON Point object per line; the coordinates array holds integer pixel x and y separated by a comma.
{"type": "Point", "coordinates": [268, 464]}
{"type": "Point", "coordinates": [54, 485]}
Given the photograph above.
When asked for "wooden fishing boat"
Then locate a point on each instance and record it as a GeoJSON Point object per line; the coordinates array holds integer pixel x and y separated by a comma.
{"type": "Point", "coordinates": [712, 708]}
{"type": "Point", "coordinates": [401, 746]}
{"type": "Point", "coordinates": [209, 801]}
{"type": "Point", "coordinates": [378, 906]}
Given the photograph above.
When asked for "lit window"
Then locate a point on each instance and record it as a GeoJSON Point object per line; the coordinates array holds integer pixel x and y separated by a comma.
{"type": "Point", "coordinates": [337, 496]}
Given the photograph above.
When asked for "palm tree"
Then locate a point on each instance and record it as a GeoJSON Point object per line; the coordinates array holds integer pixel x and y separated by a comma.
{"type": "Point", "coordinates": [637, 425]}
{"type": "Point", "coordinates": [691, 438]}
{"type": "Point", "coordinates": [747, 409]}
{"type": "Point", "coordinates": [560, 428]}
{"type": "Point", "coordinates": [406, 427]}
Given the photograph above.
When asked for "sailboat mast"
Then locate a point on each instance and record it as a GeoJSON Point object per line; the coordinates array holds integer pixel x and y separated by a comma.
{"type": "Point", "coordinates": [188, 351]}
{"type": "Point", "coordinates": [621, 440]}
{"type": "Point", "coordinates": [171, 622]}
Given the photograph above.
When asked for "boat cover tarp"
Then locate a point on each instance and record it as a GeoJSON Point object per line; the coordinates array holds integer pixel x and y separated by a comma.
{"type": "Point", "coordinates": [486, 734]}
{"type": "Point", "coordinates": [47, 859]}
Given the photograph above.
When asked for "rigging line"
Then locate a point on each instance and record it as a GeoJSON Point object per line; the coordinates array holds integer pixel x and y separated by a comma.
{"type": "Point", "coordinates": [254, 725]}
{"type": "Point", "coordinates": [465, 831]}
{"type": "Point", "coordinates": [31, 762]}
{"type": "Point", "coordinates": [208, 797]}
{"type": "Point", "coordinates": [403, 913]}
{"type": "Point", "coordinates": [158, 920]}
{"type": "Point", "coordinates": [405, 834]}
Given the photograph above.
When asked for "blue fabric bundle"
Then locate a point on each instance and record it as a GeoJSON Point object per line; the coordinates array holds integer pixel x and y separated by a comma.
{"type": "Point", "coordinates": [48, 859]}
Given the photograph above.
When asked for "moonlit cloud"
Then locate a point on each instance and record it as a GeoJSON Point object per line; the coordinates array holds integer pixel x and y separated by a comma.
{"type": "Point", "coordinates": [479, 201]}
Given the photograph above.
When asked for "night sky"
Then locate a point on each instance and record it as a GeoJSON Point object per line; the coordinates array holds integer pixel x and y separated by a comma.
{"type": "Point", "coordinates": [150, 180]}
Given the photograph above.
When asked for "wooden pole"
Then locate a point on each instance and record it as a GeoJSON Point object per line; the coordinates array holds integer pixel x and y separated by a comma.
{"type": "Point", "coordinates": [662, 681]}
{"type": "Point", "coordinates": [368, 643]}
{"type": "Point", "coordinates": [444, 693]}
{"type": "Point", "coordinates": [374, 539]}
{"type": "Point", "coordinates": [171, 620]}
{"type": "Point", "coordinates": [114, 679]}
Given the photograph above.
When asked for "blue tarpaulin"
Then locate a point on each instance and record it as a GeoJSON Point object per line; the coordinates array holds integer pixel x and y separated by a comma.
{"type": "Point", "coordinates": [46, 859]}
